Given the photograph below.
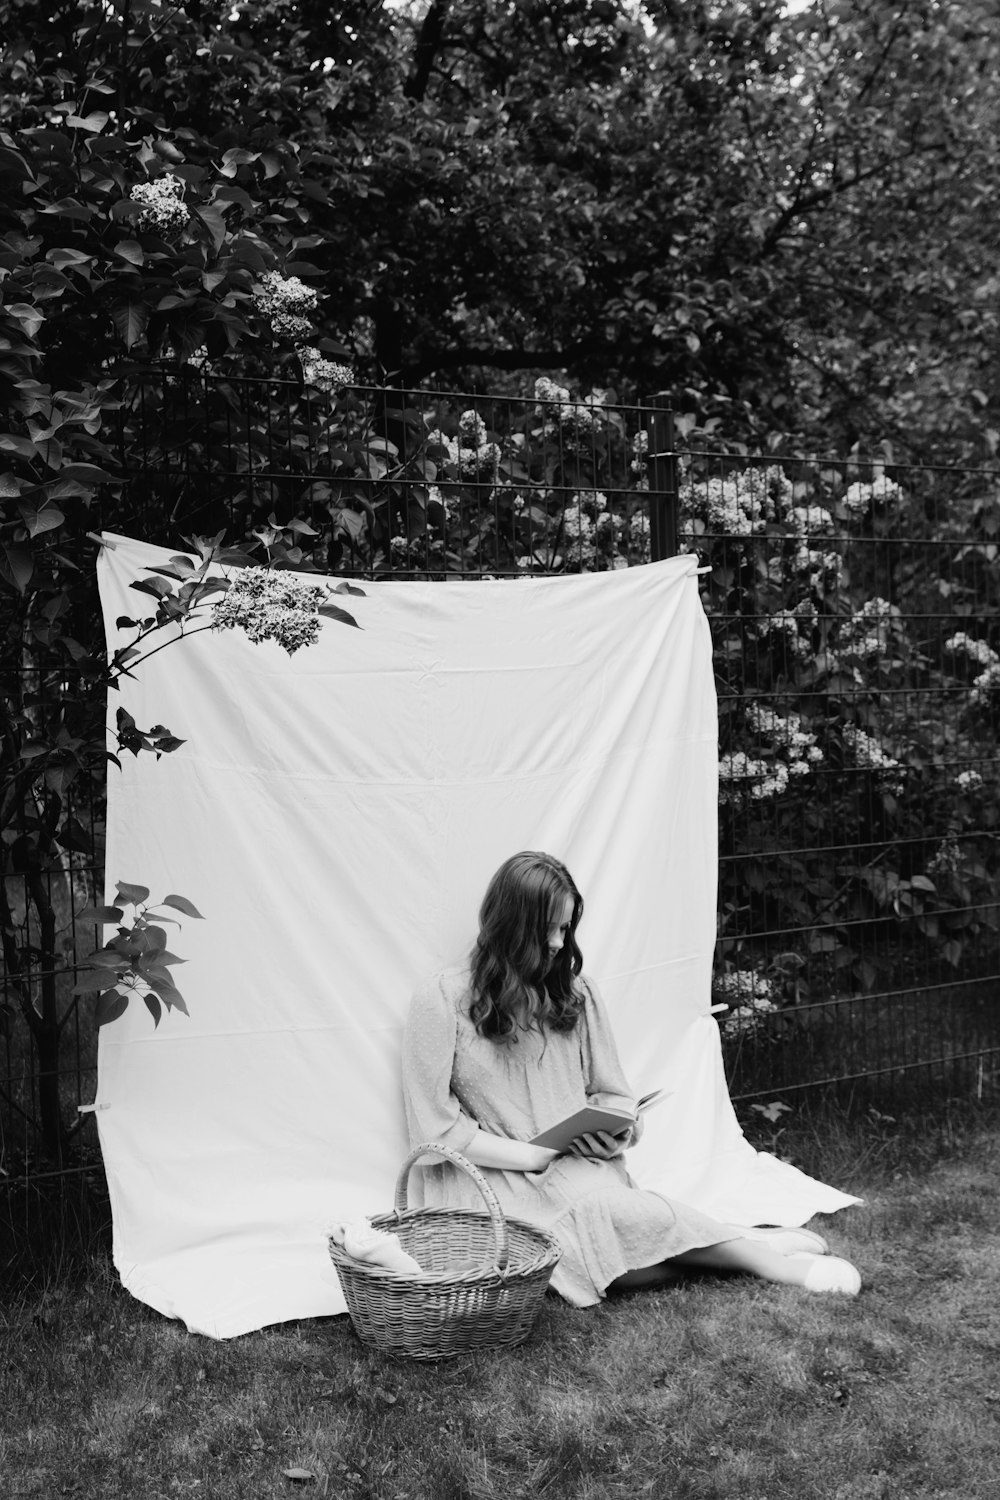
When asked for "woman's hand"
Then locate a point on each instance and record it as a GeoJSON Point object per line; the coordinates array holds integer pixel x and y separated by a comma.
{"type": "Point", "coordinates": [599, 1145]}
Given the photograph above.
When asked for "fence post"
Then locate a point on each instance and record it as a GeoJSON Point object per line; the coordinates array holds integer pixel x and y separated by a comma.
{"type": "Point", "coordinates": [661, 461]}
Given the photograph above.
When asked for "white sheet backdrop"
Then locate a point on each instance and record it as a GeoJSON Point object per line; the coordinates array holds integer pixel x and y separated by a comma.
{"type": "Point", "coordinates": [335, 816]}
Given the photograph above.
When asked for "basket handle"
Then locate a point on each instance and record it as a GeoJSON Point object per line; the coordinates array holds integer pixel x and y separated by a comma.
{"type": "Point", "coordinates": [500, 1236]}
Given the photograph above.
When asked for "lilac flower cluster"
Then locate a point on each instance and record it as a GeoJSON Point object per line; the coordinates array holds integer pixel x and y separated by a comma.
{"type": "Point", "coordinates": [324, 374]}
{"type": "Point", "coordinates": [270, 606]}
{"type": "Point", "coordinates": [748, 995]}
{"type": "Point", "coordinates": [162, 204]}
{"type": "Point", "coordinates": [287, 303]}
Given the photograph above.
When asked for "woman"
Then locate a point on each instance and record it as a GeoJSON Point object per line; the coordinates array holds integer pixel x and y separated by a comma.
{"type": "Point", "coordinates": [496, 1052]}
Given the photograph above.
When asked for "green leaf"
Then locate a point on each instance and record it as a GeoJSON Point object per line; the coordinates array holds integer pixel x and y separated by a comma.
{"type": "Point", "coordinates": [27, 315]}
{"type": "Point", "coordinates": [151, 586]}
{"type": "Point", "coordinates": [72, 835]}
{"type": "Point", "coordinates": [62, 256]}
{"type": "Point", "coordinates": [169, 571]}
{"type": "Point", "coordinates": [133, 894]}
{"type": "Point", "coordinates": [332, 612]}
{"type": "Point", "coordinates": [130, 319]}
{"type": "Point", "coordinates": [214, 223]}
{"type": "Point", "coordinates": [21, 446]}
{"type": "Point", "coordinates": [110, 958]}
{"type": "Point", "coordinates": [46, 517]}
{"type": "Point", "coordinates": [163, 986]}
{"type": "Point", "coordinates": [94, 982]}
{"type": "Point", "coordinates": [100, 914]}
{"type": "Point", "coordinates": [109, 1007]}
{"type": "Point", "coordinates": [92, 123]}
{"type": "Point", "coordinates": [16, 565]}
{"type": "Point", "coordinates": [153, 1006]}
{"type": "Point", "coordinates": [131, 251]}
{"type": "Point", "coordinates": [156, 939]}
{"type": "Point", "coordinates": [181, 903]}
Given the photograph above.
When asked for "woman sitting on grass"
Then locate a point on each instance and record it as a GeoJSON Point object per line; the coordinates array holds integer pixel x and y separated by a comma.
{"type": "Point", "coordinates": [496, 1052]}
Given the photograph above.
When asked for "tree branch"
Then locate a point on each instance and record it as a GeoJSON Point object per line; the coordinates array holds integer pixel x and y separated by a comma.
{"type": "Point", "coordinates": [429, 43]}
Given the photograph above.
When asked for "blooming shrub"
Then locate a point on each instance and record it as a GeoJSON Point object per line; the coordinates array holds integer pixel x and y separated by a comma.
{"type": "Point", "coordinates": [857, 730]}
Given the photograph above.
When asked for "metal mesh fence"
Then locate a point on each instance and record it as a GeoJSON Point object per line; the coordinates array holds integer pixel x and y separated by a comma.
{"type": "Point", "coordinates": [408, 483]}
{"type": "Point", "coordinates": [854, 611]}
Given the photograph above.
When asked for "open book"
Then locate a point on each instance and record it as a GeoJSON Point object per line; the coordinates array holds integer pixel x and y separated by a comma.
{"type": "Point", "coordinates": [594, 1117]}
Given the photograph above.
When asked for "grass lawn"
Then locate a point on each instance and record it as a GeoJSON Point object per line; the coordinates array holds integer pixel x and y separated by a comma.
{"type": "Point", "coordinates": [713, 1388]}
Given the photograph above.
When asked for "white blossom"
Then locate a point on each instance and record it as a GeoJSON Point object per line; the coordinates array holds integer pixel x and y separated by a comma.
{"type": "Point", "coordinates": [287, 303]}
{"type": "Point", "coordinates": [468, 463]}
{"type": "Point", "coordinates": [821, 567]}
{"type": "Point", "coordinates": [325, 374]}
{"type": "Point", "coordinates": [745, 778]}
{"type": "Point", "coordinates": [548, 392]}
{"type": "Point", "coordinates": [985, 685]}
{"type": "Point", "coordinates": [785, 622]}
{"type": "Point", "coordinates": [968, 781]}
{"type": "Point", "coordinates": [869, 756]}
{"type": "Point", "coordinates": [748, 995]}
{"type": "Point", "coordinates": [885, 490]}
{"type": "Point", "coordinates": [738, 504]}
{"type": "Point", "coordinates": [866, 633]}
{"type": "Point", "coordinates": [785, 733]}
{"type": "Point", "coordinates": [973, 647]}
{"type": "Point", "coordinates": [271, 606]}
{"type": "Point", "coordinates": [948, 858]}
{"type": "Point", "coordinates": [290, 326]}
{"type": "Point", "coordinates": [162, 201]}
{"type": "Point", "coordinates": [471, 430]}
{"type": "Point", "coordinates": [567, 419]}
{"type": "Point", "coordinates": [860, 496]}
{"type": "Point", "coordinates": [807, 520]}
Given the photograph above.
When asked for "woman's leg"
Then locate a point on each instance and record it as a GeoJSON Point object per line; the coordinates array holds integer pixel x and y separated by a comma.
{"type": "Point", "coordinates": [752, 1257]}
{"type": "Point", "coordinates": [817, 1272]}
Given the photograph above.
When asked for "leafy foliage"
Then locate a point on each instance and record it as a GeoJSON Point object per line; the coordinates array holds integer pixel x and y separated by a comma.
{"type": "Point", "coordinates": [856, 654]}
{"type": "Point", "coordinates": [788, 221]}
{"type": "Point", "coordinates": [136, 960]}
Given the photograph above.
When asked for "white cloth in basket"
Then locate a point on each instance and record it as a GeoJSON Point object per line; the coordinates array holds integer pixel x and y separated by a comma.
{"type": "Point", "coordinates": [376, 1247]}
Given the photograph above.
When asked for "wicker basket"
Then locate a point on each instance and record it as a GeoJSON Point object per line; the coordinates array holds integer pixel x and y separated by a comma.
{"type": "Point", "coordinates": [455, 1305]}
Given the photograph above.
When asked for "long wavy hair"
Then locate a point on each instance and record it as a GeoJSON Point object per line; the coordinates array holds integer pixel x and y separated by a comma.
{"type": "Point", "coordinates": [515, 984]}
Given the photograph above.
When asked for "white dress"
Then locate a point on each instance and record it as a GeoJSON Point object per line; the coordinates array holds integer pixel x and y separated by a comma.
{"type": "Point", "coordinates": [455, 1080]}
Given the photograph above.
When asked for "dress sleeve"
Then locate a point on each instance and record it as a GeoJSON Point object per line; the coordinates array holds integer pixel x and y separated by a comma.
{"type": "Point", "coordinates": [605, 1082]}
{"type": "Point", "coordinates": [433, 1113]}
